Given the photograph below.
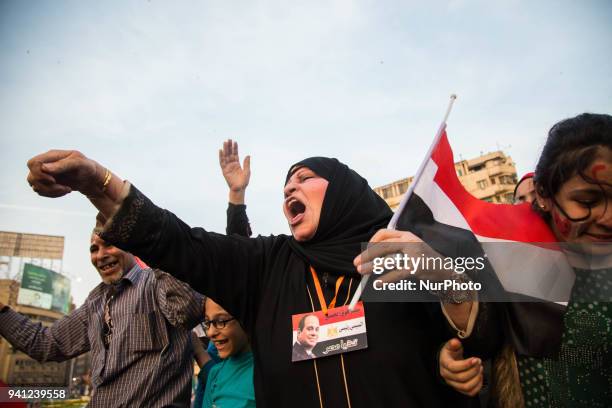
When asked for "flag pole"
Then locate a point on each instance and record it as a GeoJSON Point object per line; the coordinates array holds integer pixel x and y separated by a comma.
{"type": "Point", "coordinates": [453, 97]}
{"type": "Point", "coordinates": [392, 223]}
{"type": "Point", "coordinates": [423, 164]}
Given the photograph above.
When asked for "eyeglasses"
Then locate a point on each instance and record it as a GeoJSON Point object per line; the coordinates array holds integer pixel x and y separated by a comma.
{"type": "Point", "coordinates": [218, 323]}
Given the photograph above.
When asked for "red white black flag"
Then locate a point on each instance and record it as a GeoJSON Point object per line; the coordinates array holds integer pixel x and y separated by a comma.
{"type": "Point", "coordinates": [518, 243]}
{"type": "Point", "coordinates": [526, 266]}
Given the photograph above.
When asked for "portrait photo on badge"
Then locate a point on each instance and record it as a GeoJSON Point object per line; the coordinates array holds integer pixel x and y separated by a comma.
{"type": "Point", "coordinates": [317, 335]}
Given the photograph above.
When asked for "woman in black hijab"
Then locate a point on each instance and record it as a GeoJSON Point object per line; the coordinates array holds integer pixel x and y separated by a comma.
{"type": "Point", "coordinates": [263, 281]}
{"type": "Point", "coordinates": [351, 213]}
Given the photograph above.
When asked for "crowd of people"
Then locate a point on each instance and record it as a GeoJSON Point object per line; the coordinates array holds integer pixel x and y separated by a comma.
{"type": "Point", "coordinates": [137, 322]}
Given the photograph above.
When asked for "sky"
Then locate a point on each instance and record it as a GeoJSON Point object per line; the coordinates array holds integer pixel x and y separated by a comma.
{"type": "Point", "coordinates": [151, 89]}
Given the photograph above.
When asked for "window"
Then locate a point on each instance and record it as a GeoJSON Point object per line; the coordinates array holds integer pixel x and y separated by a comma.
{"type": "Point", "coordinates": [386, 192]}
{"type": "Point", "coordinates": [506, 180]}
{"type": "Point", "coordinates": [403, 187]}
{"type": "Point", "coordinates": [459, 172]}
{"type": "Point", "coordinates": [492, 180]}
{"type": "Point", "coordinates": [478, 167]}
{"type": "Point", "coordinates": [482, 184]}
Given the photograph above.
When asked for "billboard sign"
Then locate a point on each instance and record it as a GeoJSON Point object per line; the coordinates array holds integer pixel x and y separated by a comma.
{"type": "Point", "coordinates": [44, 288]}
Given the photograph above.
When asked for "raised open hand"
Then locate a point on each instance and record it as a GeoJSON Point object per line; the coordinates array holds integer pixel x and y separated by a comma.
{"type": "Point", "coordinates": [237, 177]}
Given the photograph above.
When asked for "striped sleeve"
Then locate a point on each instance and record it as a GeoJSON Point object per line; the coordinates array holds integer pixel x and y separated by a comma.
{"type": "Point", "coordinates": [65, 339]}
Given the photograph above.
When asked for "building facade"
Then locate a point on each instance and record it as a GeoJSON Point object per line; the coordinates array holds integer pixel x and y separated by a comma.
{"type": "Point", "coordinates": [16, 248]}
{"type": "Point", "coordinates": [42, 254]}
{"type": "Point", "coordinates": [490, 177]}
{"type": "Point", "coordinates": [16, 367]}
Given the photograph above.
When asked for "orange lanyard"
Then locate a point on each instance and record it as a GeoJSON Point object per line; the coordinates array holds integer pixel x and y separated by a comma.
{"type": "Point", "coordinates": [332, 304]}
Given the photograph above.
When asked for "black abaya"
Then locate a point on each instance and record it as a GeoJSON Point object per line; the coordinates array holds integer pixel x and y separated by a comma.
{"type": "Point", "coordinates": [263, 281]}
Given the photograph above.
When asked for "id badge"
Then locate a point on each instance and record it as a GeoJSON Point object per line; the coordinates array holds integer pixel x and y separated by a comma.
{"type": "Point", "coordinates": [316, 335]}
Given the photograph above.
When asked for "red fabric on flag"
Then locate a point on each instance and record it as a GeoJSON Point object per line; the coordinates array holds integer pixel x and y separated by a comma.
{"type": "Point", "coordinates": [500, 221]}
{"type": "Point", "coordinates": [447, 212]}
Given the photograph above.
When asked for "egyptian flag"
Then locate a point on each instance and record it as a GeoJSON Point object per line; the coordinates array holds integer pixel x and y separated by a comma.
{"type": "Point", "coordinates": [525, 264]}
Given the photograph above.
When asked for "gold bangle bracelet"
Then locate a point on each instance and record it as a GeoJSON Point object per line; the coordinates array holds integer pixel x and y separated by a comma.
{"type": "Point", "coordinates": [107, 179]}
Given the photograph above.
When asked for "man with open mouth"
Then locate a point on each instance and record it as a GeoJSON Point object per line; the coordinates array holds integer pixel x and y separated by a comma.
{"type": "Point", "coordinates": [136, 324]}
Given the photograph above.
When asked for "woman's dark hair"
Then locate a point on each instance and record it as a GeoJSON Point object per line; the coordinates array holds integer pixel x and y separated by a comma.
{"type": "Point", "coordinates": [570, 148]}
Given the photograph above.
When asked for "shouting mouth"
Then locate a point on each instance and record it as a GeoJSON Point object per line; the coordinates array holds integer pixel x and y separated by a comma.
{"type": "Point", "coordinates": [295, 210]}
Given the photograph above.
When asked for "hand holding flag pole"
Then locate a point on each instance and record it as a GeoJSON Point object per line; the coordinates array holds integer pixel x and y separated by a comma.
{"type": "Point", "coordinates": [393, 222]}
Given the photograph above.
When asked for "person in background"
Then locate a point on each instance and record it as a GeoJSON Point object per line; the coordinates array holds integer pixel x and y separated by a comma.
{"type": "Point", "coordinates": [237, 178]}
{"type": "Point", "coordinates": [136, 323]}
{"type": "Point", "coordinates": [206, 356]}
{"type": "Point", "coordinates": [229, 382]}
{"type": "Point", "coordinates": [524, 191]}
